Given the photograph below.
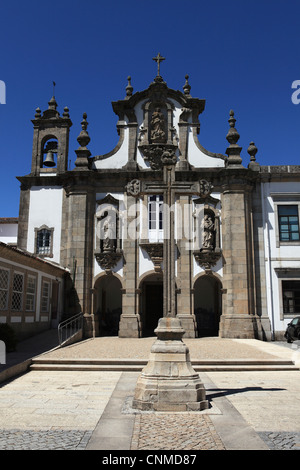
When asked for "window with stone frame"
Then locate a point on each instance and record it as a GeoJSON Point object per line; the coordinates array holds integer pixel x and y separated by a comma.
{"type": "Point", "coordinates": [44, 241]}
{"type": "Point", "coordinates": [45, 298]}
{"type": "Point", "coordinates": [17, 291]}
{"type": "Point", "coordinates": [291, 297]}
{"type": "Point", "coordinates": [155, 218]}
{"type": "Point", "coordinates": [4, 288]}
{"type": "Point", "coordinates": [288, 223]}
{"type": "Point", "coordinates": [30, 294]}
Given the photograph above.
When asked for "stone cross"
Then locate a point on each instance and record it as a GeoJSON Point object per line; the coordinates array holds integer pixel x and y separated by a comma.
{"type": "Point", "coordinates": [158, 59]}
{"type": "Point", "coordinates": [168, 382]}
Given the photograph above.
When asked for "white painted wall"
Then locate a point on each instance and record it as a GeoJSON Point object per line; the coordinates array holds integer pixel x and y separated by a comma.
{"type": "Point", "coordinates": [198, 158]}
{"type": "Point", "coordinates": [8, 233]}
{"type": "Point", "coordinates": [118, 159]}
{"type": "Point", "coordinates": [276, 257]}
{"type": "Point", "coordinates": [45, 209]}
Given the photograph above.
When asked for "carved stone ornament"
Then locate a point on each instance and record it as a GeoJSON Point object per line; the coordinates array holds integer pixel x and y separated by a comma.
{"type": "Point", "coordinates": [158, 127]}
{"type": "Point", "coordinates": [155, 251]}
{"type": "Point", "coordinates": [169, 157]}
{"type": "Point", "coordinates": [207, 258]}
{"type": "Point", "coordinates": [205, 188]}
{"type": "Point", "coordinates": [159, 155]}
{"type": "Point", "coordinates": [108, 260]}
{"type": "Point", "coordinates": [133, 187]}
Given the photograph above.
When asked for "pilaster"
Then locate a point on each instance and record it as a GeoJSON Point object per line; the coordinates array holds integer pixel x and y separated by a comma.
{"type": "Point", "coordinates": [238, 319]}
{"type": "Point", "coordinates": [129, 326]}
{"type": "Point", "coordinates": [184, 271]}
{"type": "Point", "coordinates": [77, 248]}
{"type": "Point", "coordinates": [23, 217]}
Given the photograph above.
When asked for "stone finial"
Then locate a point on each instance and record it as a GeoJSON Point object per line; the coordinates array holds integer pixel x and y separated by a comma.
{"type": "Point", "coordinates": [129, 88]}
{"type": "Point", "coordinates": [82, 152]}
{"type": "Point", "coordinates": [52, 103]}
{"type": "Point", "coordinates": [38, 113]}
{"type": "Point", "coordinates": [234, 150]}
{"type": "Point", "coordinates": [233, 135]}
{"type": "Point", "coordinates": [66, 112]}
{"type": "Point", "coordinates": [83, 139]}
{"type": "Point", "coordinates": [252, 151]}
{"type": "Point", "coordinates": [186, 87]}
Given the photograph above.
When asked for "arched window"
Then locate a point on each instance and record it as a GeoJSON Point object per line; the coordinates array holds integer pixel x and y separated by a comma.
{"type": "Point", "coordinates": [49, 151]}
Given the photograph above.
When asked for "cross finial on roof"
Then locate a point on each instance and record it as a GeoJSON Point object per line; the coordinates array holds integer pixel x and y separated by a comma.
{"type": "Point", "coordinates": [158, 59]}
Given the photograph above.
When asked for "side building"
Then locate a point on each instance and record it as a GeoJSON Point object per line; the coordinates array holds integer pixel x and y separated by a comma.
{"type": "Point", "coordinates": [32, 292]}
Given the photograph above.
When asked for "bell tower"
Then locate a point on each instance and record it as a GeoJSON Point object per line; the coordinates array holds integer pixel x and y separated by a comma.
{"type": "Point", "coordinates": [50, 140]}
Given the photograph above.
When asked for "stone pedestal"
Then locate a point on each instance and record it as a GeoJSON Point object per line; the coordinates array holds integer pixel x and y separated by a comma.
{"type": "Point", "coordinates": [238, 326]}
{"type": "Point", "coordinates": [130, 326]}
{"type": "Point", "coordinates": [169, 382]}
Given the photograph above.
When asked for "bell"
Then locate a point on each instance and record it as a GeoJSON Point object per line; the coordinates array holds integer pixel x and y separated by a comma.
{"type": "Point", "coordinates": [49, 160]}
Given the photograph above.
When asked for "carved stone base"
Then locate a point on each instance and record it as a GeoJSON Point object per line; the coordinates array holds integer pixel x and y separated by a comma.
{"type": "Point", "coordinates": [130, 326]}
{"type": "Point", "coordinates": [238, 326]}
{"type": "Point", "coordinates": [189, 325]}
{"type": "Point", "coordinates": [169, 382]}
{"type": "Point", "coordinates": [89, 327]}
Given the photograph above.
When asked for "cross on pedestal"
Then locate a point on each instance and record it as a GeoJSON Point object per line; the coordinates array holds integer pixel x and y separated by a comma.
{"type": "Point", "coordinates": [168, 382]}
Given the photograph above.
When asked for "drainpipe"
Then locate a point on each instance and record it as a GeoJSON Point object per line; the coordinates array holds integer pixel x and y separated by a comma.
{"type": "Point", "coordinates": [269, 268]}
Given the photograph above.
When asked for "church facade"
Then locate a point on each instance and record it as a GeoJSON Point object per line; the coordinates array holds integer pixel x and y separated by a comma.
{"type": "Point", "coordinates": [236, 256]}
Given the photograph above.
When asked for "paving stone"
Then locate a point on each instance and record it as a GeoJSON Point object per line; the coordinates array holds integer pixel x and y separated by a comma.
{"type": "Point", "coordinates": [164, 431]}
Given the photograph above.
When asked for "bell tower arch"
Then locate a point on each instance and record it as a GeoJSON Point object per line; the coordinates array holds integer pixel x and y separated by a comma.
{"type": "Point", "coordinates": [50, 140]}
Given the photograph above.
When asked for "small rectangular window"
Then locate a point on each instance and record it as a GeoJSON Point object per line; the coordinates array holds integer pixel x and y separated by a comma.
{"type": "Point", "coordinates": [30, 294]}
{"type": "Point", "coordinates": [17, 292]}
{"type": "Point", "coordinates": [288, 220]}
{"type": "Point", "coordinates": [291, 297]}
{"type": "Point", "coordinates": [155, 218]}
{"type": "Point", "coordinates": [4, 286]}
{"type": "Point", "coordinates": [43, 242]}
{"type": "Point", "coordinates": [45, 297]}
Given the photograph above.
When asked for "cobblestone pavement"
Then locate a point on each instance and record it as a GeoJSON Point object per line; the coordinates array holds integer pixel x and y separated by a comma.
{"type": "Point", "coordinates": [163, 431]}
{"type": "Point", "coordinates": [281, 440]}
{"type": "Point", "coordinates": [18, 439]}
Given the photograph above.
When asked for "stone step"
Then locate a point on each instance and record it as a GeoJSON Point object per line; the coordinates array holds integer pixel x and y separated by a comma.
{"type": "Point", "coordinates": [137, 365]}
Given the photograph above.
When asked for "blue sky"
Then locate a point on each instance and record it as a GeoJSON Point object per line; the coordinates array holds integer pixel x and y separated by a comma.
{"type": "Point", "coordinates": [240, 55]}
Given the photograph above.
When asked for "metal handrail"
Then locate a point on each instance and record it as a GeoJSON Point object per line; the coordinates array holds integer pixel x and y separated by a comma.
{"type": "Point", "coordinates": [69, 327]}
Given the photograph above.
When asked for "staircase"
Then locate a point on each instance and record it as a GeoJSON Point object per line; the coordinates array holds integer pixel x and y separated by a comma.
{"type": "Point", "coordinates": [136, 365]}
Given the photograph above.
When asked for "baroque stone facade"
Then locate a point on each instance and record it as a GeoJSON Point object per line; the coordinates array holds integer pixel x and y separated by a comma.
{"type": "Point", "coordinates": [110, 218]}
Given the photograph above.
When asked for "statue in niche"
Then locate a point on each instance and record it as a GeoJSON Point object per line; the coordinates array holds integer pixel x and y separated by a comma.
{"type": "Point", "coordinates": [208, 233]}
{"type": "Point", "coordinates": [109, 234]}
{"type": "Point", "coordinates": [158, 125]}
